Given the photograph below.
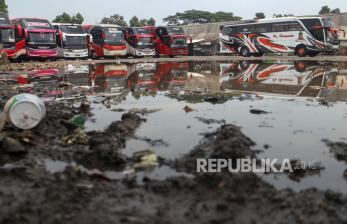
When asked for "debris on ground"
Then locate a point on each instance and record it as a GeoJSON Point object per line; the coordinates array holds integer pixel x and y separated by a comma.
{"type": "Point", "coordinates": [188, 109]}
{"type": "Point", "coordinates": [257, 111]}
{"type": "Point", "coordinates": [145, 159]}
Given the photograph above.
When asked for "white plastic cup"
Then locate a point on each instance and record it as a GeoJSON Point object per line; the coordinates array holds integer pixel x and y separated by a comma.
{"type": "Point", "coordinates": [25, 111]}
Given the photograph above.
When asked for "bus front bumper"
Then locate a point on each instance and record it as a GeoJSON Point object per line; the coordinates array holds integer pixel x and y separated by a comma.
{"type": "Point", "coordinates": [68, 53]}
{"type": "Point", "coordinates": [145, 52]}
{"type": "Point", "coordinates": [42, 53]}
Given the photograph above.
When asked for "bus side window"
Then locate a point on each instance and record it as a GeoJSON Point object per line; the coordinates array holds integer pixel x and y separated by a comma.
{"type": "Point", "coordinates": [261, 28]}
{"type": "Point", "coordinates": [97, 37]}
{"type": "Point", "coordinates": [279, 27]}
{"type": "Point", "coordinates": [294, 26]}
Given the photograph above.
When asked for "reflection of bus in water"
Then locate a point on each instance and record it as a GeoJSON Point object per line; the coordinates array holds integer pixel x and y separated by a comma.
{"type": "Point", "coordinates": [108, 77]}
{"type": "Point", "coordinates": [300, 78]}
{"type": "Point", "coordinates": [163, 76]}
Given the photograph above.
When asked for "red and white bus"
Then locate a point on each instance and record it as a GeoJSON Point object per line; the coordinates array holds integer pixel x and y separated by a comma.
{"type": "Point", "coordinates": [7, 36]}
{"type": "Point", "coordinates": [35, 38]}
{"type": "Point", "coordinates": [300, 35]}
{"type": "Point", "coordinates": [170, 41]}
{"type": "Point", "coordinates": [106, 40]}
{"type": "Point", "coordinates": [140, 41]}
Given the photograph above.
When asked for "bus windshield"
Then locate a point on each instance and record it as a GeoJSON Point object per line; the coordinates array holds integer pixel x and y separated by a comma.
{"type": "Point", "coordinates": [75, 40]}
{"type": "Point", "coordinates": [6, 36]}
{"type": "Point", "coordinates": [41, 38]}
{"type": "Point", "coordinates": [142, 31]}
{"type": "Point", "coordinates": [4, 21]}
{"type": "Point", "coordinates": [72, 29]}
{"type": "Point", "coordinates": [179, 42]}
{"type": "Point", "coordinates": [113, 37]}
{"type": "Point", "coordinates": [328, 23]}
{"type": "Point", "coordinates": [145, 42]}
{"type": "Point", "coordinates": [175, 30]}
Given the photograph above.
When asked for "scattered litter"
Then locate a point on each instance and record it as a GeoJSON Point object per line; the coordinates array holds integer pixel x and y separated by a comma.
{"type": "Point", "coordinates": [256, 111]}
{"type": "Point", "coordinates": [144, 111]}
{"type": "Point", "coordinates": [210, 121]}
{"type": "Point", "coordinates": [77, 137]}
{"type": "Point", "coordinates": [25, 111]}
{"type": "Point", "coordinates": [187, 109]}
{"type": "Point", "coordinates": [78, 120]}
{"type": "Point", "coordinates": [145, 159]}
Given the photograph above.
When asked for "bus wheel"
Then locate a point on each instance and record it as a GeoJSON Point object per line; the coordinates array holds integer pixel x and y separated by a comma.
{"type": "Point", "coordinates": [313, 53]}
{"type": "Point", "coordinates": [94, 56]}
{"type": "Point", "coordinates": [301, 51]}
{"type": "Point", "coordinates": [258, 54]}
{"type": "Point", "coordinates": [245, 52]}
{"type": "Point", "coordinates": [300, 66]}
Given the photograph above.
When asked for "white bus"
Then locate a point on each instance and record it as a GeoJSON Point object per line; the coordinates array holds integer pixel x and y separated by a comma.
{"type": "Point", "coordinates": [300, 35]}
{"type": "Point", "coordinates": [71, 40]}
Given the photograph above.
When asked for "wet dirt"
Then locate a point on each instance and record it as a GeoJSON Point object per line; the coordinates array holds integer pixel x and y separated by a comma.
{"type": "Point", "coordinates": [87, 171]}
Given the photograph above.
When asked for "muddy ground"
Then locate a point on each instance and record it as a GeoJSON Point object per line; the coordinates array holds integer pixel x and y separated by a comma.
{"type": "Point", "coordinates": [81, 192]}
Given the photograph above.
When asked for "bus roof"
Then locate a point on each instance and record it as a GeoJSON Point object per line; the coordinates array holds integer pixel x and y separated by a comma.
{"type": "Point", "coordinates": [15, 19]}
{"type": "Point", "coordinates": [66, 24]}
{"type": "Point", "coordinates": [107, 25]}
{"type": "Point", "coordinates": [270, 20]}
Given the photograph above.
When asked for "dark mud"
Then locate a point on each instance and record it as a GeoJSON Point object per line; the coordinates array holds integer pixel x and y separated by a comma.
{"type": "Point", "coordinates": [81, 189]}
{"type": "Point", "coordinates": [31, 194]}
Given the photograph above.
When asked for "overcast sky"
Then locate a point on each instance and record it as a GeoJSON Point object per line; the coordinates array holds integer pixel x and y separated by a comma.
{"type": "Point", "coordinates": [94, 10]}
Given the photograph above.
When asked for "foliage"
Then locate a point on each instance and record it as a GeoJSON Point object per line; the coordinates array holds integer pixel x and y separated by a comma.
{"type": "Point", "coordinates": [115, 19]}
{"type": "Point", "coordinates": [260, 15]}
{"type": "Point", "coordinates": [66, 18]}
{"type": "Point", "coordinates": [326, 10]}
{"type": "Point", "coordinates": [198, 17]}
{"type": "Point", "coordinates": [135, 22]}
{"type": "Point", "coordinates": [3, 7]}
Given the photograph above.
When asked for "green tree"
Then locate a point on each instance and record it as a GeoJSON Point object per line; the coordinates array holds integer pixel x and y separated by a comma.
{"type": "Point", "coordinates": [335, 11]}
{"type": "Point", "coordinates": [260, 15]}
{"type": "Point", "coordinates": [324, 10]}
{"type": "Point", "coordinates": [63, 18]}
{"type": "Point", "coordinates": [198, 17]}
{"type": "Point", "coordinates": [134, 22]}
{"type": "Point", "coordinates": [3, 7]}
{"type": "Point", "coordinates": [143, 22]}
{"type": "Point", "coordinates": [115, 19]}
{"type": "Point", "coordinates": [151, 22]}
{"type": "Point", "coordinates": [77, 19]}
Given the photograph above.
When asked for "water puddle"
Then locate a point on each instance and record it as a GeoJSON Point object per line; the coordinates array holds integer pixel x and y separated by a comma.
{"type": "Point", "coordinates": [303, 103]}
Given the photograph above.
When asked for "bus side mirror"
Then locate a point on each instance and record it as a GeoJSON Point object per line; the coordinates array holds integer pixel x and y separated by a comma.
{"type": "Point", "coordinates": [20, 30]}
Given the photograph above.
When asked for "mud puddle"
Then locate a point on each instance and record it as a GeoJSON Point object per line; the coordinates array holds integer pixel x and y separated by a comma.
{"type": "Point", "coordinates": [164, 111]}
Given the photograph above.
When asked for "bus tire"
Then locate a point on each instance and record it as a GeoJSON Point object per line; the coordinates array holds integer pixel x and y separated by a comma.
{"type": "Point", "coordinates": [244, 65]}
{"type": "Point", "coordinates": [301, 51]}
{"type": "Point", "coordinates": [245, 52]}
{"type": "Point", "coordinates": [300, 66]}
{"type": "Point", "coordinates": [93, 55]}
{"type": "Point", "coordinates": [313, 53]}
{"type": "Point", "coordinates": [260, 54]}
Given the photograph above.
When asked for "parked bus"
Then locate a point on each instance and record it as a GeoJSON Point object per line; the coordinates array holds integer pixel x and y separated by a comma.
{"type": "Point", "coordinates": [35, 38]}
{"type": "Point", "coordinates": [300, 35]}
{"type": "Point", "coordinates": [140, 41]}
{"type": "Point", "coordinates": [7, 36]}
{"type": "Point", "coordinates": [71, 40]}
{"type": "Point", "coordinates": [170, 41]}
{"type": "Point", "coordinates": [106, 40]}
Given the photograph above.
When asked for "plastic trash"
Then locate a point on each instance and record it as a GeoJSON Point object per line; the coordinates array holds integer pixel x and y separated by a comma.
{"type": "Point", "coordinates": [25, 111]}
